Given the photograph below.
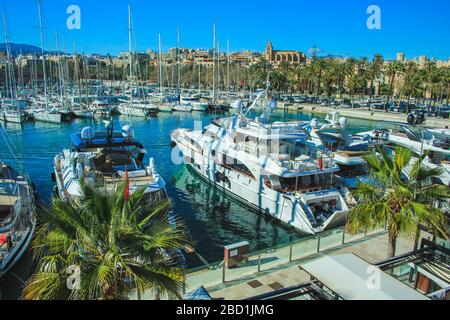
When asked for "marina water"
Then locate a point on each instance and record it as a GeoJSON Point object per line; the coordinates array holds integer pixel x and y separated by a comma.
{"type": "Point", "coordinates": [213, 219]}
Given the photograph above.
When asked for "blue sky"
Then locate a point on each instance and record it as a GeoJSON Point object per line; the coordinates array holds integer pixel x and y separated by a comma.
{"type": "Point", "coordinates": [335, 26]}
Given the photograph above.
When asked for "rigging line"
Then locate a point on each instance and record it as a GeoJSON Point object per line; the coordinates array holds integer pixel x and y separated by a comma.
{"type": "Point", "coordinates": [21, 167]}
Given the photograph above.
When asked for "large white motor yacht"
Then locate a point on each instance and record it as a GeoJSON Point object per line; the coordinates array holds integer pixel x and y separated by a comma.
{"type": "Point", "coordinates": [348, 151]}
{"type": "Point", "coordinates": [266, 167]}
{"type": "Point", "coordinates": [418, 141]}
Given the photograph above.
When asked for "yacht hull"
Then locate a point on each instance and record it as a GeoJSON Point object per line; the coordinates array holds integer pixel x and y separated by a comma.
{"type": "Point", "coordinates": [14, 117]}
{"type": "Point", "coordinates": [50, 117]}
{"type": "Point", "coordinates": [252, 192]}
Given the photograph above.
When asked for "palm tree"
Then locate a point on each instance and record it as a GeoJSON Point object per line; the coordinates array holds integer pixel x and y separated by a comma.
{"type": "Point", "coordinates": [374, 71]}
{"type": "Point", "coordinates": [402, 197]}
{"type": "Point", "coordinates": [117, 243]}
{"type": "Point", "coordinates": [412, 82]}
{"type": "Point", "coordinates": [318, 65]}
{"type": "Point", "coordinates": [394, 68]}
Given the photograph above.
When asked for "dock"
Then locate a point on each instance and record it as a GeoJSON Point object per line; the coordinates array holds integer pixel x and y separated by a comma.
{"type": "Point", "coordinates": [373, 115]}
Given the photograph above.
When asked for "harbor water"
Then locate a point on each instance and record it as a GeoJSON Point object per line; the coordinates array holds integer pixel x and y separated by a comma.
{"type": "Point", "coordinates": [213, 219]}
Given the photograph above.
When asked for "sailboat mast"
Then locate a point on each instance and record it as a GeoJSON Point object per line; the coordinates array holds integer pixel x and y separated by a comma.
{"type": "Point", "coordinates": [58, 67]}
{"type": "Point", "coordinates": [9, 80]}
{"type": "Point", "coordinates": [214, 63]}
{"type": "Point", "coordinates": [178, 61]}
{"type": "Point", "coordinates": [228, 66]}
{"type": "Point", "coordinates": [41, 28]}
{"type": "Point", "coordinates": [77, 73]}
{"type": "Point", "coordinates": [160, 65]}
{"type": "Point", "coordinates": [130, 49]}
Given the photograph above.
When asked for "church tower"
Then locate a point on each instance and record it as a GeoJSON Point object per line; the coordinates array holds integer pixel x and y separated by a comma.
{"type": "Point", "coordinates": [269, 51]}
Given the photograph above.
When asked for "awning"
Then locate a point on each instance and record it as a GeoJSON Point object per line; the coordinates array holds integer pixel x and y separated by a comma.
{"type": "Point", "coordinates": [199, 294]}
{"type": "Point", "coordinates": [353, 278]}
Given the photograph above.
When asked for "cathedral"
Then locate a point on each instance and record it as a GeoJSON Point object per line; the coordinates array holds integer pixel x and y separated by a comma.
{"type": "Point", "coordinates": [277, 56]}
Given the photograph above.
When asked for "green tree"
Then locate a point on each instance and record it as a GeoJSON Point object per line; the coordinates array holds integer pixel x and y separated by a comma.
{"type": "Point", "coordinates": [374, 71]}
{"type": "Point", "coordinates": [412, 82]}
{"type": "Point", "coordinates": [118, 245]}
{"type": "Point", "coordinates": [394, 68]}
{"type": "Point", "coordinates": [402, 196]}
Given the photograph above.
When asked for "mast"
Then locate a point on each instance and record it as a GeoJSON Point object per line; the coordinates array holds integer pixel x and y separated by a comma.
{"type": "Point", "coordinates": [59, 69]}
{"type": "Point", "coordinates": [130, 49]}
{"type": "Point", "coordinates": [214, 63]}
{"type": "Point", "coordinates": [160, 66]}
{"type": "Point", "coordinates": [77, 73]}
{"type": "Point", "coordinates": [8, 75]}
{"type": "Point", "coordinates": [218, 70]}
{"type": "Point", "coordinates": [43, 54]}
{"type": "Point", "coordinates": [228, 66]}
{"type": "Point", "coordinates": [178, 63]}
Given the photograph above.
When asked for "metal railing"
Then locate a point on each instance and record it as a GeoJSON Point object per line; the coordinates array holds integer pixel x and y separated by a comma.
{"type": "Point", "coordinates": [275, 257]}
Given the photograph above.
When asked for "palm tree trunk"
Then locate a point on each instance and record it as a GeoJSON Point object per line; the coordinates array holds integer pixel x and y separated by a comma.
{"type": "Point", "coordinates": [371, 93]}
{"type": "Point", "coordinates": [392, 243]}
{"type": "Point", "coordinates": [391, 84]}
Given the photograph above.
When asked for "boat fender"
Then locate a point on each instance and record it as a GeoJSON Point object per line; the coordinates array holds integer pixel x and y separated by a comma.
{"type": "Point", "coordinates": [53, 175]}
{"type": "Point", "coordinates": [173, 144]}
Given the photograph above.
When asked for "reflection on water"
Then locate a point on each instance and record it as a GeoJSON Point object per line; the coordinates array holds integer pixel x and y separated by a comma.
{"type": "Point", "coordinates": [214, 220]}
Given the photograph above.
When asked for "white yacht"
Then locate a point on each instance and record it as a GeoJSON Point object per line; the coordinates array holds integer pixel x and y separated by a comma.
{"type": "Point", "coordinates": [199, 106]}
{"type": "Point", "coordinates": [17, 216]}
{"type": "Point", "coordinates": [47, 115]}
{"type": "Point", "coordinates": [418, 141]}
{"type": "Point", "coordinates": [182, 107]}
{"type": "Point", "coordinates": [265, 167]}
{"type": "Point", "coordinates": [13, 110]}
{"type": "Point", "coordinates": [137, 108]}
{"type": "Point", "coordinates": [106, 157]}
{"type": "Point", "coordinates": [194, 102]}
{"type": "Point", "coordinates": [165, 107]}
{"type": "Point", "coordinates": [348, 151]}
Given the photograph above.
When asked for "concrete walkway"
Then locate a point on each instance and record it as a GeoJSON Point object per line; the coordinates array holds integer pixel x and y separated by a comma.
{"type": "Point", "coordinates": [375, 115]}
{"type": "Point", "coordinates": [373, 250]}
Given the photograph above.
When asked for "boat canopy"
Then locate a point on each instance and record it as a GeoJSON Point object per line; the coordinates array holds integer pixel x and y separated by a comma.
{"type": "Point", "coordinates": [102, 140]}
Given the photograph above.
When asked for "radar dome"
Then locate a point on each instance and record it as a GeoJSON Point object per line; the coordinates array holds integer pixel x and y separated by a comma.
{"type": "Point", "coordinates": [87, 133]}
{"type": "Point", "coordinates": [314, 123]}
{"type": "Point", "coordinates": [128, 131]}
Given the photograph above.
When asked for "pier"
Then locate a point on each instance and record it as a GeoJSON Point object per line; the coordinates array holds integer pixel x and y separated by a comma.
{"type": "Point", "coordinates": [373, 115]}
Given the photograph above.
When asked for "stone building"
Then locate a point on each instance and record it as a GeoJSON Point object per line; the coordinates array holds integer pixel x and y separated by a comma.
{"type": "Point", "coordinates": [277, 56]}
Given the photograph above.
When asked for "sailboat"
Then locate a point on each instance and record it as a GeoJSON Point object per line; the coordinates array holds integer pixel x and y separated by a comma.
{"type": "Point", "coordinates": [132, 106]}
{"type": "Point", "coordinates": [42, 110]}
{"type": "Point", "coordinates": [17, 214]}
{"type": "Point", "coordinates": [11, 107]}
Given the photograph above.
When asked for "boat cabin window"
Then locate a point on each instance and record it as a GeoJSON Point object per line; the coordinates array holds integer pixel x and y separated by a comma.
{"type": "Point", "coordinates": [5, 212]}
{"type": "Point", "coordinates": [352, 170]}
{"type": "Point", "coordinates": [310, 183]}
{"type": "Point", "coordinates": [115, 161]}
{"type": "Point", "coordinates": [234, 164]}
